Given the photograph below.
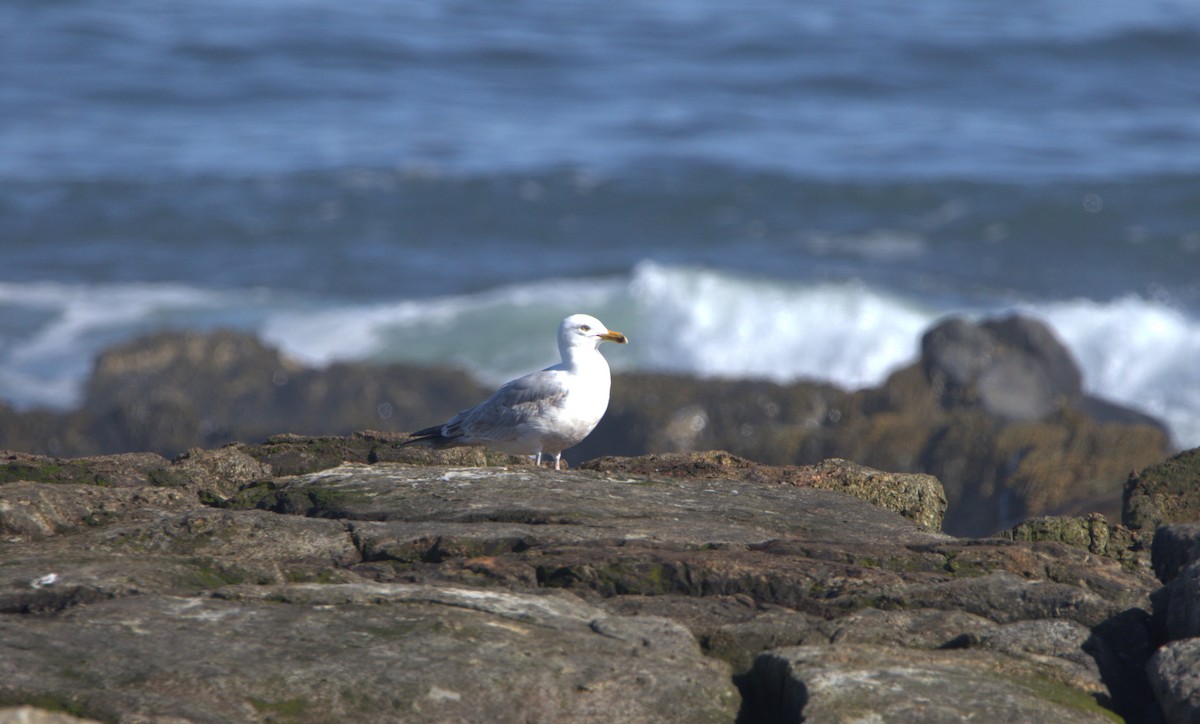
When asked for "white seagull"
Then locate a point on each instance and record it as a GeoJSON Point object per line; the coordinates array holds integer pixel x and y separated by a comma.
{"type": "Point", "coordinates": [542, 413]}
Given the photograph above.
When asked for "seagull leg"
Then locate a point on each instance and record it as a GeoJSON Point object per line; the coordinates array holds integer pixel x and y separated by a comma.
{"type": "Point", "coordinates": [537, 459]}
{"type": "Point", "coordinates": [557, 457]}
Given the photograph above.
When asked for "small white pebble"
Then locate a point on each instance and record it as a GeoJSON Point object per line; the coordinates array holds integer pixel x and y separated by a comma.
{"type": "Point", "coordinates": [47, 580]}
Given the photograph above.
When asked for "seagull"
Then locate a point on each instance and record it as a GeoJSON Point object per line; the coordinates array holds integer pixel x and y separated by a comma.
{"type": "Point", "coordinates": [542, 413]}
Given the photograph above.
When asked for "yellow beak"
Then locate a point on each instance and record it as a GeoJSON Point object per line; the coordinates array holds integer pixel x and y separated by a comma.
{"type": "Point", "coordinates": [611, 336]}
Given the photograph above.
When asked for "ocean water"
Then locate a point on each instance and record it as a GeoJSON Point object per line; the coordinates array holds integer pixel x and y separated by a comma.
{"type": "Point", "coordinates": [763, 189]}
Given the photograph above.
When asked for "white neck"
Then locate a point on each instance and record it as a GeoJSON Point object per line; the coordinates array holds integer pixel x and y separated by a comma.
{"type": "Point", "coordinates": [575, 358]}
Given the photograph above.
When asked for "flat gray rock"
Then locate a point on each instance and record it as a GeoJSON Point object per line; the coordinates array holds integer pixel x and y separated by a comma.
{"type": "Point", "coordinates": [847, 683]}
{"type": "Point", "coordinates": [404, 592]}
{"type": "Point", "coordinates": [687, 512]}
{"type": "Point", "coordinates": [383, 652]}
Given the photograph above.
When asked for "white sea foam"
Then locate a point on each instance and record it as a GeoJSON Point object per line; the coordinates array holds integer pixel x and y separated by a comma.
{"type": "Point", "coordinates": [710, 323]}
{"type": "Point", "coordinates": [1138, 352]}
{"type": "Point", "coordinates": [689, 320]}
{"type": "Point", "coordinates": [50, 332]}
{"type": "Point", "coordinates": [681, 319]}
{"type": "Point", "coordinates": [494, 333]}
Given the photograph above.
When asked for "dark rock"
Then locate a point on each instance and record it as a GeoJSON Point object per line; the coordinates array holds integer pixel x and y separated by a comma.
{"type": "Point", "coordinates": [996, 471]}
{"type": "Point", "coordinates": [172, 391]}
{"type": "Point", "coordinates": [1174, 548]}
{"type": "Point", "coordinates": [1175, 675]}
{"type": "Point", "coordinates": [996, 476]}
{"type": "Point", "coordinates": [739, 640]}
{"type": "Point", "coordinates": [1106, 411]}
{"type": "Point", "coordinates": [1014, 368]}
{"type": "Point", "coordinates": [48, 432]}
{"type": "Point", "coordinates": [1168, 492]}
{"type": "Point", "coordinates": [662, 413]}
{"type": "Point", "coordinates": [1177, 604]}
{"type": "Point", "coordinates": [166, 391]}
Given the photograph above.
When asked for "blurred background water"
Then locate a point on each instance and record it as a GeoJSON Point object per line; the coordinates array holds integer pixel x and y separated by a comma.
{"type": "Point", "coordinates": [760, 189]}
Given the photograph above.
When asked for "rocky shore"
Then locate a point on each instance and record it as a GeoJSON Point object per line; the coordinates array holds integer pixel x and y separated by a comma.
{"type": "Point", "coordinates": [343, 578]}
{"type": "Point", "coordinates": [995, 410]}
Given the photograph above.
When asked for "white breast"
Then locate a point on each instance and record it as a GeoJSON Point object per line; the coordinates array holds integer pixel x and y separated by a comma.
{"type": "Point", "coordinates": [580, 411]}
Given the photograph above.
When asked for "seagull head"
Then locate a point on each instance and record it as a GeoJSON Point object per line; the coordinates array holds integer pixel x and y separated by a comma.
{"type": "Point", "coordinates": [583, 330]}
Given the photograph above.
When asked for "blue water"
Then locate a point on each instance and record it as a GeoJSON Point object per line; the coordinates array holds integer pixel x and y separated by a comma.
{"type": "Point", "coordinates": [762, 189]}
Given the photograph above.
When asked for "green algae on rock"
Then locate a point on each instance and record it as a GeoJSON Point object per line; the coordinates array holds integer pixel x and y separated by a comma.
{"type": "Point", "coordinates": [1168, 492]}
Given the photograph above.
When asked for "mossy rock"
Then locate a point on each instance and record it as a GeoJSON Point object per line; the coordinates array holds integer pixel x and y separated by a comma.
{"type": "Point", "coordinates": [301, 454]}
{"type": "Point", "coordinates": [1168, 492]}
{"type": "Point", "coordinates": [1092, 533]}
{"type": "Point", "coordinates": [129, 469]}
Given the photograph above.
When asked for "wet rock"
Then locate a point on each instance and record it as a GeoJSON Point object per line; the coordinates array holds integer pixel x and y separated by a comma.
{"type": "Point", "coordinates": [166, 391]}
{"type": "Point", "coordinates": [1166, 492]}
{"type": "Point", "coordinates": [1175, 675]}
{"type": "Point", "coordinates": [48, 432]}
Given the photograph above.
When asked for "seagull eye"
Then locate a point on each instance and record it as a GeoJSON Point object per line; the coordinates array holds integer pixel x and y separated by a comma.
{"type": "Point", "coordinates": [585, 328]}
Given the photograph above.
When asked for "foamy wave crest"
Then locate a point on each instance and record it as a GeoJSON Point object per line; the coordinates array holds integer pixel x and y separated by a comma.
{"type": "Point", "coordinates": [711, 323]}
{"type": "Point", "coordinates": [50, 332]}
{"type": "Point", "coordinates": [494, 334]}
{"type": "Point", "coordinates": [680, 319]}
{"type": "Point", "coordinates": [1137, 352]}
{"type": "Point", "coordinates": [687, 320]}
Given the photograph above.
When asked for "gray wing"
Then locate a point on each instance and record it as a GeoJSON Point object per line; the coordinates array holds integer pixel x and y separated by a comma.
{"type": "Point", "coordinates": [500, 417]}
